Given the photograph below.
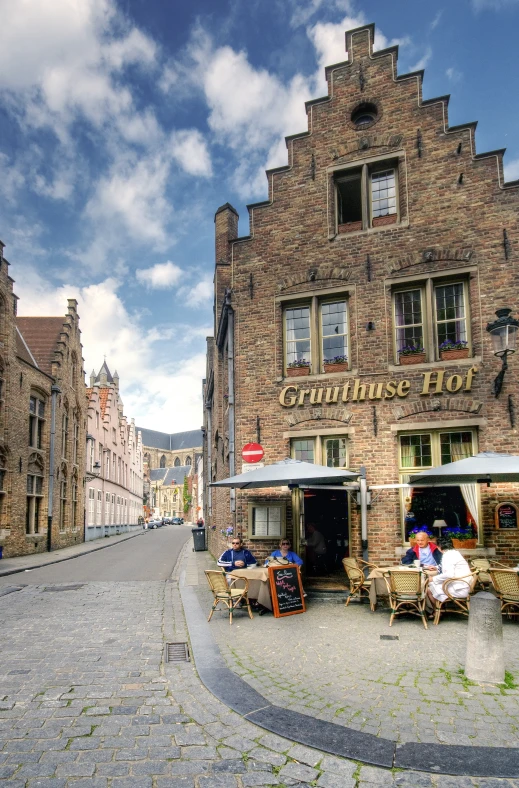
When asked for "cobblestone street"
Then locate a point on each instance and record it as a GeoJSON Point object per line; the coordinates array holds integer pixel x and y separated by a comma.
{"type": "Point", "coordinates": [87, 700]}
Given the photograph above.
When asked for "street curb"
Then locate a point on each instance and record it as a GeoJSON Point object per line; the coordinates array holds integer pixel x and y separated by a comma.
{"type": "Point", "coordinates": [234, 692]}
{"type": "Point", "coordinates": [8, 572]}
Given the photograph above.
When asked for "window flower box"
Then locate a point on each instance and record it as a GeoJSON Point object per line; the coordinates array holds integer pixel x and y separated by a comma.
{"type": "Point", "coordinates": [451, 354]}
{"type": "Point", "coordinates": [464, 544]}
{"type": "Point", "coordinates": [297, 372]}
{"type": "Point", "coordinates": [343, 366]}
{"type": "Point", "coordinates": [412, 358]}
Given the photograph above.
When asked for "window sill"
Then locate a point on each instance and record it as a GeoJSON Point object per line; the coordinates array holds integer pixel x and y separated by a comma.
{"type": "Point", "coordinates": [350, 373]}
{"type": "Point", "coordinates": [368, 231]}
{"type": "Point", "coordinates": [35, 537]}
{"type": "Point", "coordinates": [460, 362]}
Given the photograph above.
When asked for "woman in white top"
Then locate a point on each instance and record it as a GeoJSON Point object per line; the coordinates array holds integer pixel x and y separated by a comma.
{"type": "Point", "coordinates": [453, 565]}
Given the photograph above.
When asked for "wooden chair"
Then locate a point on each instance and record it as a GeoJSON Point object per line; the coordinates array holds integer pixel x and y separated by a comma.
{"type": "Point", "coordinates": [406, 590]}
{"type": "Point", "coordinates": [354, 568]}
{"type": "Point", "coordinates": [483, 565]}
{"type": "Point", "coordinates": [455, 604]}
{"type": "Point", "coordinates": [506, 586]}
{"type": "Point", "coordinates": [224, 590]}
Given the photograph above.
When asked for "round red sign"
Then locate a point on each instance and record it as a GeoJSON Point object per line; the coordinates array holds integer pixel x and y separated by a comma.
{"type": "Point", "coordinates": [252, 452]}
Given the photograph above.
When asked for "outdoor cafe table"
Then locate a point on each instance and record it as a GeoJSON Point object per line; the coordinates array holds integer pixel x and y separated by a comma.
{"type": "Point", "coordinates": [259, 586]}
{"type": "Point", "coordinates": [378, 584]}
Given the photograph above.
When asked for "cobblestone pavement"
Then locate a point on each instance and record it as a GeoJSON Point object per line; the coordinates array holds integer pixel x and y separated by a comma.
{"type": "Point", "coordinates": [338, 669]}
{"type": "Point", "coordinates": [86, 701]}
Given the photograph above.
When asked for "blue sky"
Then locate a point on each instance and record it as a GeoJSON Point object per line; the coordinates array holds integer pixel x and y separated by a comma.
{"type": "Point", "coordinates": [124, 124]}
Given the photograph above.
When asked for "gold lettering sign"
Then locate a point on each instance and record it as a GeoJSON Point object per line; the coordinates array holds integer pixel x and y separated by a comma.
{"type": "Point", "coordinates": [433, 383]}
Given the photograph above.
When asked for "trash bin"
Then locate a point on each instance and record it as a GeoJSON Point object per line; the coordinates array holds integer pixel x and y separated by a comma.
{"type": "Point", "coordinates": [1, 551]}
{"type": "Point", "coordinates": [198, 539]}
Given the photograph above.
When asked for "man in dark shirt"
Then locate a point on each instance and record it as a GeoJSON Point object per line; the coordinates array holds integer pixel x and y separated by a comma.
{"type": "Point", "coordinates": [237, 557]}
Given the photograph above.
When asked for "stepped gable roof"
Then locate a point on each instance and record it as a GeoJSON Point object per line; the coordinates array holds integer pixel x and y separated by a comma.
{"type": "Point", "coordinates": [41, 335]}
{"type": "Point", "coordinates": [22, 350]}
{"type": "Point", "coordinates": [175, 441]}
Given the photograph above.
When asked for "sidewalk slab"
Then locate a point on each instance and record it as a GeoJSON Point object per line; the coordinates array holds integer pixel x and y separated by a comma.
{"type": "Point", "coordinates": [11, 566]}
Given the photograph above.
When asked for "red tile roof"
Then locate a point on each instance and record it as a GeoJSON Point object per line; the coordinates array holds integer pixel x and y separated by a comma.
{"type": "Point", "coordinates": [103, 400]}
{"type": "Point", "coordinates": [41, 335]}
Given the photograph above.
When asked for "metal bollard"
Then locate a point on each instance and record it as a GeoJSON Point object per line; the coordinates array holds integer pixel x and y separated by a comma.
{"type": "Point", "coordinates": [485, 659]}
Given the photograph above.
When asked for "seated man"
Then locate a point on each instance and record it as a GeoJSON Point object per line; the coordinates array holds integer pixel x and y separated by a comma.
{"type": "Point", "coordinates": [424, 550]}
{"type": "Point", "coordinates": [237, 557]}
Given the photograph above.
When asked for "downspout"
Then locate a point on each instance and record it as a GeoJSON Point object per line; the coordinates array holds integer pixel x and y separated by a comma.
{"type": "Point", "coordinates": [55, 390]}
{"type": "Point", "coordinates": [209, 439]}
{"type": "Point", "coordinates": [230, 373]}
{"type": "Point", "coordinates": [363, 495]}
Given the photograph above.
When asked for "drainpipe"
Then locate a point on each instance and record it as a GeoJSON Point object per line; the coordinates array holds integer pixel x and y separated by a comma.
{"type": "Point", "coordinates": [230, 373]}
{"type": "Point", "coordinates": [55, 390]}
{"type": "Point", "coordinates": [363, 485]}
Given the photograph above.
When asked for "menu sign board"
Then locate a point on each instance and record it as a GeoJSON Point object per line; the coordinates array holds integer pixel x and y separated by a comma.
{"type": "Point", "coordinates": [506, 515]}
{"type": "Point", "coordinates": [286, 590]}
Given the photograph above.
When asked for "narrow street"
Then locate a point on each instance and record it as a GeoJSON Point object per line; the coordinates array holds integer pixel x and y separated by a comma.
{"type": "Point", "coordinates": [150, 556]}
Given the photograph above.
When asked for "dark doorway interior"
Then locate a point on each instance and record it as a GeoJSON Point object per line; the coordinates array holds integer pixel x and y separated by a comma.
{"type": "Point", "coordinates": [328, 511]}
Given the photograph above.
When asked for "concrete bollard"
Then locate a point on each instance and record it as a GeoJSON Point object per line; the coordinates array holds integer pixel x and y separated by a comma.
{"type": "Point", "coordinates": [485, 660]}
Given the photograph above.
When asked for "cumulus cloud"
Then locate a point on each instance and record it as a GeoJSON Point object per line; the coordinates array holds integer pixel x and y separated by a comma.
{"type": "Point", "coordinates": [159, 391]}
{"type": "Point", "coordinates": [189, 149]}
{"type": "Point", "coordinates": [160, 276]}
{"type": "Point", "coordinates": [200, 293]}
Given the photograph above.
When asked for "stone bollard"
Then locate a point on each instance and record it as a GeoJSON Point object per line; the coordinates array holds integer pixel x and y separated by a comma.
{"type": "Point", "coordinates": [485, 661]}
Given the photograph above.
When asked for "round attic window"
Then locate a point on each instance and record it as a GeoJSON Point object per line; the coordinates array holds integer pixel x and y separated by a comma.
{"type": "Point", "coordinates": [364, 115]}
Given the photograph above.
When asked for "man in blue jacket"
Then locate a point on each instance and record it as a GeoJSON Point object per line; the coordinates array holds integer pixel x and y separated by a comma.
{"type": "Point", "coordinates": [424, 550]}
{"type": "Point", "coordinates": [237, 557]}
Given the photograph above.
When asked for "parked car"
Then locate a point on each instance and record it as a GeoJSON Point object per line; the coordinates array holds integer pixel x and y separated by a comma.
{"type": "Point", "coordinates": [155, 524]}
{"type": "Point", "coordinates": [177, 520]}
{"type": "Point", "coordinates": [166, 521]}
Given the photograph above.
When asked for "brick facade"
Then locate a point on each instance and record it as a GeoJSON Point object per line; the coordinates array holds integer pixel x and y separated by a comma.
{"type": "Point", "coordinates": [42, 369]}
{"type": "Point", "coordinates": [448, 226]}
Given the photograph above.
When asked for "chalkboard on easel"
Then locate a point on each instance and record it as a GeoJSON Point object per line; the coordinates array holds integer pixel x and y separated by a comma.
{"type": "Point", "coordinates": [506, 515]}
{"type": "Point", "coordinates": [286, 590]}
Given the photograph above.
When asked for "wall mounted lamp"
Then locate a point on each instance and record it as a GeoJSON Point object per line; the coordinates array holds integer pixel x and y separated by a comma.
{"type": "Point", "coordinates": [94, 473]}
{"type": "Point", "coordinates": [503, 332]}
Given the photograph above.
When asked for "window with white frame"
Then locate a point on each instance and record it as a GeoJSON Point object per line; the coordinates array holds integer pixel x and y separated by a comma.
{"type": "Point", "coordinates": [316, 332]}
{"type": "Point", "coordinates": [329, 450]}
{"type": "Point", "coordinates": [107, 508]}
{"type": "Point", "coordinates": [91, 506]}
{"type": "Point", "coordinates": [99, 508]}
{"type": "Point", "coordinates": [266, 520]}
{"type": "Point", "coordinates": [112, 513]}
{"type": "Point", "coordinates": [455, 506]}
{"type": "Point", "coordinates": [430, 317]}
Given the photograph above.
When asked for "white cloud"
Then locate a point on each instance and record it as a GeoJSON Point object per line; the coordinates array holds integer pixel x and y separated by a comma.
{"type": "Point", "coordinates": [421, 64]}
{"type": "Point", "coordinates": [11, 178]}
{"type": "Point", "coordinates": [512, 170]}
{"type": "Point", "coordinates": [436, 20]}
{"type": "Point", "coordinates": [132, 197]}
{"type": "Point", "coordinates": [160, 276]}
{"type": "Point", "coordinates": [158, 391]}
{"type": "Point", "coordinates": [201, 293]}
{"type": "Point", "coordinates": [301, 13]}
{"type": "Point", "coordinates": [453, 75]}
{"type": "Point", "coordinates": [189, 149]}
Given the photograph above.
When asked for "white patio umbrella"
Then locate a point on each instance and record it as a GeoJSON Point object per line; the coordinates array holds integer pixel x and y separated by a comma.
{"type": "Point", "coordinates": [287, 472]}
{"type": "Point", "coordinates": [484, 468]}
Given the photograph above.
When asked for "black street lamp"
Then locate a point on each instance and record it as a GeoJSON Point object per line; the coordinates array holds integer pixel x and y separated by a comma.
{"type": "Point", "coordinates": [94, 473]}
{"type": "Point", "coordinates": [504, 335]}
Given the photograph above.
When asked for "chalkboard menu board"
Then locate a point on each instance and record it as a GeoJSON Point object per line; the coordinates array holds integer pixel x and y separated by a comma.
{"type": "Point", "coordinates": [286, 590]}
{"type": "Point", "coordinates": [506, 515]}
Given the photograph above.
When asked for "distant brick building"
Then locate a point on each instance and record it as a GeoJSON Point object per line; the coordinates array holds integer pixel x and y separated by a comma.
{"type": "Point", "coordinates": [114, 497]}
{"type": "Point", "coordinates": [42, 386]}
{"type": "Point", "coordinates": [350, 322]}
{"type": "Point", "coordinates": [170, 450]}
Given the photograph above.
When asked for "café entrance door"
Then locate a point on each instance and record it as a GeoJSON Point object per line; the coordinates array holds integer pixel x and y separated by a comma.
{"type": "Point", "coordinates": [326, 527]}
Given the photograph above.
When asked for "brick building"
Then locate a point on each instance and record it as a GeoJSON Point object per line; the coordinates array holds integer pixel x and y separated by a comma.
{"type": "Point", "coordinates": [350, 321]}
{"type": "Point", "coordinates": [170, 450]}
{"type": "Point", "coordinates": [42, 427]}
{"type": "Point", "coordinates": [114, 493]}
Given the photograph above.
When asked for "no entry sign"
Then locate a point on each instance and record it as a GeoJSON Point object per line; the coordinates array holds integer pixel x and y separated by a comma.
{"type": "Point", "coordinates": [252, 452]}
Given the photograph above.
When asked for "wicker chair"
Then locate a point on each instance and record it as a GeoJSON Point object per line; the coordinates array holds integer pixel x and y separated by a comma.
{"type": "Point", "coordinates": [506, 586]}
{"type": "Point", "coordinates": [354, 568]}
{"type": "Point", "coordinates": [483, 565]}
{"type": "Point", "coordinates": [406, 591]}
{"type": "Point", "coordinates": [223, 588]}
{"type": "Point", "coordinates": [455, 604]}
